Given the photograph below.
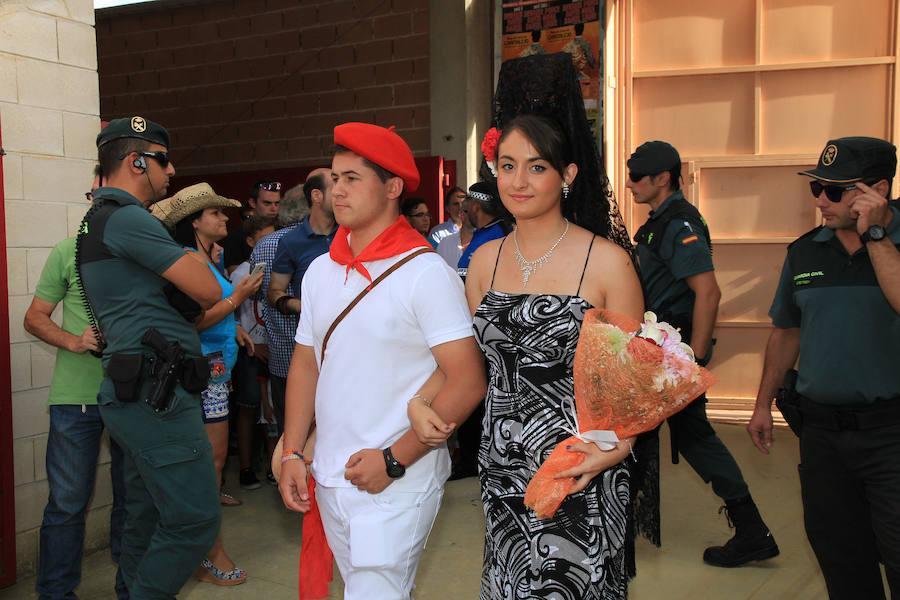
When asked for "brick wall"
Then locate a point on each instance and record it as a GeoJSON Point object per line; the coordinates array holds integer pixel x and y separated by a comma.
{"type": "Point", "coordinates": [251, 84]}
{"type": "Point", "coordinates": [49, 107]}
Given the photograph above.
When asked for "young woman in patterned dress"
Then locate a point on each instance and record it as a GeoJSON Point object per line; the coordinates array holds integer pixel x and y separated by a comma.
{"type": "Point", "coordinates": [528, 293]}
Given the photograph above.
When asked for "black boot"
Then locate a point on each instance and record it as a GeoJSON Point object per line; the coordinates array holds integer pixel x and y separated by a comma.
{"type": "Point", "coordinates": [752, 539]}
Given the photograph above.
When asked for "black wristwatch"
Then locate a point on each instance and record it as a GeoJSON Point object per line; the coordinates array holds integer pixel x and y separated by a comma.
{"type": "Point", "coordinates": [395, 470]}
{"type": "Point", "coordinates": [875, 233]}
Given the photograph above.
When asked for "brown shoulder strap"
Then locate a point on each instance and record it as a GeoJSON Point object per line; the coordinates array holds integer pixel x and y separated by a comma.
{"type": "Point", "coordinates": [362, 294]}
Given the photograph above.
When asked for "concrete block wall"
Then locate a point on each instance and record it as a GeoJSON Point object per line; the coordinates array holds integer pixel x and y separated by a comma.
{"type": "Point", "coordinates": [49, 115]}
{"type": "Point", "coordinates": [245, 84]}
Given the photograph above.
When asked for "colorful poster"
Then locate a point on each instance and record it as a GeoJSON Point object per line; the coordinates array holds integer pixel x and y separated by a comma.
{"type": "Point", "coordinates": [573, 26]}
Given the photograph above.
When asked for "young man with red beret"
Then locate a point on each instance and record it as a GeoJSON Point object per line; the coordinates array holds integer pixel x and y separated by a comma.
{"type": "Point", "coordinates": [408, 339]}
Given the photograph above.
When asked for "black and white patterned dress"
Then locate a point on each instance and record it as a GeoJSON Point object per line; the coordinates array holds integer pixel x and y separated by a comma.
{"type": "Point", "coordinates": [529, 341]}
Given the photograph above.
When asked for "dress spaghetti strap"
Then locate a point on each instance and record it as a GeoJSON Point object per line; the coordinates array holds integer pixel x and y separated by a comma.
{"type": "Point", "coordinates": [583, 271]}
{"type": "Point", "coordinates": [497, 262]}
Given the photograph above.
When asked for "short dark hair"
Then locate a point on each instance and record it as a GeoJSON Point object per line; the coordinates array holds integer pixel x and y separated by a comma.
{"type": "Point", "coordinates": [255, 224]}
{"type": "Point", "coordinates": [383, 174]}
{"type": "Point", "coordinates": [315, 182]}
{"type": "Point", "coordinates": [254, 189]}
{"type": "Point", "coordinates": [410, 204]}
{"type": "Point", "coordinates": [111, 154]}
{"type": "Point", "coordinates": [455, 189]}
{"type": "Point", "coordinates": [675, 177]}
{"type": "Point", "coordinates": [579, 28]}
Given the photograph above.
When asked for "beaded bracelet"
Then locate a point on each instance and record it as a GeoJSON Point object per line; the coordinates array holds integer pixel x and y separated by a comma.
{"type": "Point", "coordinates": [292, 456]}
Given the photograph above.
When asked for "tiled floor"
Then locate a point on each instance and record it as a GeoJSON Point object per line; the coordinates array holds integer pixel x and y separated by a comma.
{"type": "Point", "coordinates": [263, 538]}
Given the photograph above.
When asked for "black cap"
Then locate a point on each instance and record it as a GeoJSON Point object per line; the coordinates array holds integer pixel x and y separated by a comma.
{"type": "Point", "coordinates": [850, 159]}
{"type": "Point", "coordinates": [484, 192]}
{"type": "Point", "coordinates": [133, 127]}
{"type": "Point", "coordinates": [654, 157]}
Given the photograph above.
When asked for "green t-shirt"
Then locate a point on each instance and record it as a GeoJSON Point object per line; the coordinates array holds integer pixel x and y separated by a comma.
{"type": "Point", "coordinates": [77, 377]}
{"type": "Point", "coordinates": [683, 251]}
{"type": "Point", "coordinates": [849, 332]}
{"type": "Point", "coordinates": [123, 256]}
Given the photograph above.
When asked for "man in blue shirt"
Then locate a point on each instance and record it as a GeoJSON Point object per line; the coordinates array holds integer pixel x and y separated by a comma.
{"type": "Point", "coordinates": [295, 251]}
{"type": "Point", "coordinates": [485, 212]}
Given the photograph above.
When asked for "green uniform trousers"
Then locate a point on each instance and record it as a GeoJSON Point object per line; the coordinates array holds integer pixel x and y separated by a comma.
{"type": "Point", "coordinates": [698, 443]}
{"type": "Point", "coordinates": [172, 493]}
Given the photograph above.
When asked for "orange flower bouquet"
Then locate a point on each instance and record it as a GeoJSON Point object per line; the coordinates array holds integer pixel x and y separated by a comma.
{"type": "Point", "coordinates": [629, 377]}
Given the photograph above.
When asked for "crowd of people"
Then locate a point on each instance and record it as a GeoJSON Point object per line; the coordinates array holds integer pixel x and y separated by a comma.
{"type": "Point", "coordinates": [367, 340]}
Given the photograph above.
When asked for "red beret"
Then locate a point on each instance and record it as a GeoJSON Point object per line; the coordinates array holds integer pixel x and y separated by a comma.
{"type": "Point", "coordinates": [381, 146]}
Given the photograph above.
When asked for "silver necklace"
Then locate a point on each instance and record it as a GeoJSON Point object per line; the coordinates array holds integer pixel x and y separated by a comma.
{"type": "Point", "coordinates": [530, 266]}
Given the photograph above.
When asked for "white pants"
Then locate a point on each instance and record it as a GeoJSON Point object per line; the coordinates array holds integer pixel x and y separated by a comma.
{"type": "Point", "coordinates": [377, 539]}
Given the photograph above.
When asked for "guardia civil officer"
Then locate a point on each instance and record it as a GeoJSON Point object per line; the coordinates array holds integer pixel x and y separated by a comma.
{"type": "Point", "coordinates": [836, 307]}
{"type": "Point", "coordinates": [132, 272]}
{"type": "Point", "coordinates": [675, 253]}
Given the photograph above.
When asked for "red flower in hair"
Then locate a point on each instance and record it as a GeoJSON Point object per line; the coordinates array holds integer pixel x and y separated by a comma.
{"type": "Point", "coordinates": [489, 144]}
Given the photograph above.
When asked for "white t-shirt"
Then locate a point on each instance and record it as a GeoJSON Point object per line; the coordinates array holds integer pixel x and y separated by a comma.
{"type": "Point", "coordinates": [249, 309]}
{"type": "Point", "coordinates": [450, 249]}
{"type": "Point", "coordinates": [377, 357]}
{"type": "Point", "coordinates": [439, 232]}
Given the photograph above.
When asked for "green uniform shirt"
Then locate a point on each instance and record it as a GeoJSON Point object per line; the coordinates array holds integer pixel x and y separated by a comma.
{"type": "Point", "coordinates": [123, 257]}
{"type": "Point", "coordinates": [682, 252]}
{"type": "Point", "coordinates": [849, 333]}
{"type": "Point", "coordinates": [76, 377]}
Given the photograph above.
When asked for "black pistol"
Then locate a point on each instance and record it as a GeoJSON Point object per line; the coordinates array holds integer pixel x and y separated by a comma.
{"type": "Point", "coordinates": [164, 370]}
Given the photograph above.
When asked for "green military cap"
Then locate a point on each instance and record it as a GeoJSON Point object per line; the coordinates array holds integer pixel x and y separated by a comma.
{"type": "Point", "coordinates": [850, 159]}
{"type": "Point", "coordinates": [134, 127]}
{"type": "Point", "coordinates": [653, 157]}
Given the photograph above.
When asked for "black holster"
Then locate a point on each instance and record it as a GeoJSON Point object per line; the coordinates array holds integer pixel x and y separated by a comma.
{"type": "Point", "coordinates": [170, 367]}
{"type": "Point", "coordinates": [788, 402]}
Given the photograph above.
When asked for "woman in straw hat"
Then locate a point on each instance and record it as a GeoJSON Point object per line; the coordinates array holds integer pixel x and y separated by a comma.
{"type": "Point", "coordinates": [195, 217]}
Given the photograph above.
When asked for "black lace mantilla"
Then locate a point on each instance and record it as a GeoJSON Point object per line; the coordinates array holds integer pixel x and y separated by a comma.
{"type": "Point", "coordinates": [547, 85]}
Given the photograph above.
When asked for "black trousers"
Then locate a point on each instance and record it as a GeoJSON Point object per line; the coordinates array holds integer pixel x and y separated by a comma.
{"type": "Point", "coordinates": [278, 386]}
{"type": "Point", "coordinates": [698, 443]}
{"type": "Point", "coordinates": [850, 481]}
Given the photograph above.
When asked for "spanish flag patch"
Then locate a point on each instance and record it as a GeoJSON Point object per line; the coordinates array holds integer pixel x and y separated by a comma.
{"type": "Point", "coordinates": [689, 239]}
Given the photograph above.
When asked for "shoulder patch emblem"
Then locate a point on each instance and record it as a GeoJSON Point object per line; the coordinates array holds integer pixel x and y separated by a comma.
{"type": "Point", "coordinates": [689, 239]}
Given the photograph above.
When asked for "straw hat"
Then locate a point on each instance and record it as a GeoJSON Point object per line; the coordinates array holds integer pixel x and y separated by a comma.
{"type": "Point", "coordinates": [186, 202]}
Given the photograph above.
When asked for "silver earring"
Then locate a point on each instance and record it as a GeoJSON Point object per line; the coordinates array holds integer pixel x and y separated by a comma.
{"type": "Point", "coordinates": [565, 188]}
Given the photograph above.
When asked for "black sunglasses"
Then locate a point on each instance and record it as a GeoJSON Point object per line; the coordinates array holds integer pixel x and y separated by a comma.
{"type": "Point", "coordinates": [160, 156]}
{"type": "Point", "coordinates": [272, 186]}
{"type": "Point", "coordinates": [635, 177]}
{"type": "Point", "coordinates": [834, 193]}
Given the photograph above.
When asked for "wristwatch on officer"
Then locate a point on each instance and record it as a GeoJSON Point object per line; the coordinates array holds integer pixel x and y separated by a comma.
{"type": "Point", "coordinates": [395, 469]}
{"type": "Point", "coordinates": [875, 233]}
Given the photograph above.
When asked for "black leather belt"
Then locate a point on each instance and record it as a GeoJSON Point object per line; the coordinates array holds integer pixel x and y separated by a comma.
{"type": "Point", "coordinates": [850, 417]}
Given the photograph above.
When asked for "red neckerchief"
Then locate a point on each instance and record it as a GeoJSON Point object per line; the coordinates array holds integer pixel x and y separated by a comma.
{"type": "Point", "coordinates": [396, 239]}
{"type": "Point", "coordinates": [316, 560]}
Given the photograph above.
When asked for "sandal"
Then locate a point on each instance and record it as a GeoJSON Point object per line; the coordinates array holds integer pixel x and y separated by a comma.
{"type": "Point", "coordinates": [226, 499]}
{"type": "Point", "coordinates": [209, 573]}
